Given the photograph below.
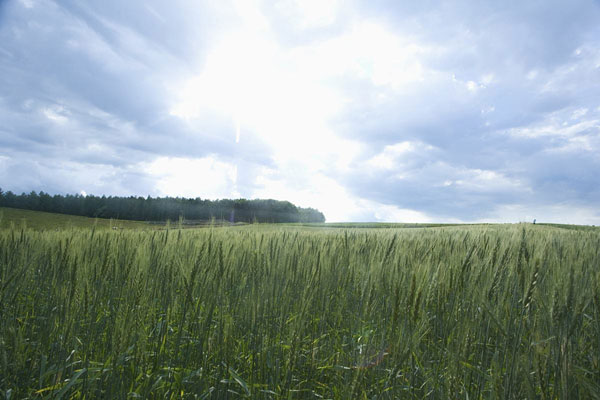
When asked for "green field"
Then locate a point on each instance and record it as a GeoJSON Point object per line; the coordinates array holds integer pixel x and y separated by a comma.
{"type": "Point", "coordinates": [38, 220]}
{"type": "Point", "coordinates": [374, 225]}
{"type": "Point", "coordinates": [11, 218]}
{"type": "Point", "coordinates": [299, 312]}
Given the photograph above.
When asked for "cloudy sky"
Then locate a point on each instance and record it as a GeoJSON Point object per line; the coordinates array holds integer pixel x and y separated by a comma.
{"type": "Point", "coordinates": [367, 110]}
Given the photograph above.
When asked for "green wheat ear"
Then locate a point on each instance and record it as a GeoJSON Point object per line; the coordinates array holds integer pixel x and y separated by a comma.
{"type": "Point", "coordinates": [272, 311]}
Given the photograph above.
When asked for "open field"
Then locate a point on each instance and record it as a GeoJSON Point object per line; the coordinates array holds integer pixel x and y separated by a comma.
{"type": "Point", "coordinates": [373, 225]}
{"type": "Point", "coordinates": [39, 220]}
{"type": "Point", "coordinates": [489, 311]}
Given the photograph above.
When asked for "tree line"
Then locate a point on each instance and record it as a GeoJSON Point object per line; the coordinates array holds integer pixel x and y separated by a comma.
{"type": "Point", "coordinates": [162, 208]}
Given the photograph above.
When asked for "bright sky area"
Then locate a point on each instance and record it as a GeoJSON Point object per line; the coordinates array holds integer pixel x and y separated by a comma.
{"type": "Point", "coordinates": [367, 110]}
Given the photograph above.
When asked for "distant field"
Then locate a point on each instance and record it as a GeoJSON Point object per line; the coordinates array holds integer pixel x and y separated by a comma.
{"type": "Point", "coordinates": [574, 227]}
{"type": "Point", "coordinates": [299, 312]}
{"type": "Point", "coordinates": [39, 220]}
{"type": "Point", "coordinates": [373, 225]}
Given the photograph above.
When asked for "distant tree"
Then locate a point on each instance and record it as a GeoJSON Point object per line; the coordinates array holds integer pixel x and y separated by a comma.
{"type": "Point", "coordinates": [162, 209]}
{"type": "Point", "coordinates": [45, 202]}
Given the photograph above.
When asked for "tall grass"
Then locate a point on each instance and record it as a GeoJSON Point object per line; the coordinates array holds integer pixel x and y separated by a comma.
{"type": "Point", "coordinates": [296, 312]}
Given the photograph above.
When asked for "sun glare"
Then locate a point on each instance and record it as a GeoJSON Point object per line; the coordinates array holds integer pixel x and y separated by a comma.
{"type": "Point", "coordinates": [250, 80]}
{"type": "Point", "coordinates": [287, 97]}
{"type": "Point", "coordinates": [185, 177]}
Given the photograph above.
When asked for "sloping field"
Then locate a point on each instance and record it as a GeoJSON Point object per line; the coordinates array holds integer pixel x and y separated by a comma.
{"type": "Point", "coordinates": [274, 312]}
{"type": "Point", "coordinates": [39, 220]}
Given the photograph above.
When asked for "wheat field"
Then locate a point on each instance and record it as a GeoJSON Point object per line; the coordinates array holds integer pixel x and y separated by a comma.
{"type": "Point", "coordinates": [291, 312]}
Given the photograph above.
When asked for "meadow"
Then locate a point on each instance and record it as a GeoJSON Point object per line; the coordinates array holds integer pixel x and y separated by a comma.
{"type": "Point", "coordinates": [38, 220]}
{"type": "Point", "coordinates": [300, 312]}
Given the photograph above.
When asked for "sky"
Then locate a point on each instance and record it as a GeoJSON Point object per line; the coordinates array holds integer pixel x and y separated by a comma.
{"type": "Point", "coordinates": [445, 111]}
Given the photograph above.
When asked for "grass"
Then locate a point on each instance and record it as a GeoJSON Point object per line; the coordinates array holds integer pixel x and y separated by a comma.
{"type": "Point", "coordinates": [376, 225]}
{"type": "Point", "coordinates": [286, 312]}
{"type": "Point", "coordinates": [39, 220]}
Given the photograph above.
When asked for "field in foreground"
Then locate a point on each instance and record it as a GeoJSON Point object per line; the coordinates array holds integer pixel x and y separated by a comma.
{"type": "Point", "coordinates": [508, 311]}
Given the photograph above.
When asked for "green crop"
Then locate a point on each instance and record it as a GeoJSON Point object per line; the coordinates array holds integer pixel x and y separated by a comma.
{"type": "Point", "coordinates": [264, 311]}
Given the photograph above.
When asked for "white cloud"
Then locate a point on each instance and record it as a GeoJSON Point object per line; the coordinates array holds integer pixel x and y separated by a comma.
{"type": "Point", "coordinates": [531, 75]}
{"type": "Point", "coordinates": [27, 3]}
{"type": "Point", "coordinates": [392, 155]}
{"type": "Point", "coordinates": [390, 213]}
{"type": "Point", "coordinates": [475, 86]}
{"type": "Point", "coordinates": [578, 145]}
{"type": "Point", "coordinates": [367, 51]}
{"type": "Point", "coordinates": [205, 177]}
{"type": "Point", "coordinates": [59, 175]}
{"type": "Point", "coordinates": [249, 12]}
{"type": "Point", "coordinates": [306, 14]}
{"type": "Point", "coordinates": [554, 129]}
{"type": "Point", "coordinates": [478, 180]}
{"type": "Point", "coordinates": [487, 110]}
{"type": "Point", "coordinates": [327, 195]}
{"type": "Point", "coordinates": [580, 112]}
{"type": "Point", "coordinates": [262, 88]}
{"type": "Point", "coordinates": [487, 80]}
{"type": "Point", "coordinates": [315, 190]}
{"type": "Point", "coordinates": [559, 124]}
{"type": "Point", "coordinates": [56, 114]}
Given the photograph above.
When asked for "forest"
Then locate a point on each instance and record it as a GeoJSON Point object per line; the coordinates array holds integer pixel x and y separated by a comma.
{"type": "Point", "coordinates": [162, 208]}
